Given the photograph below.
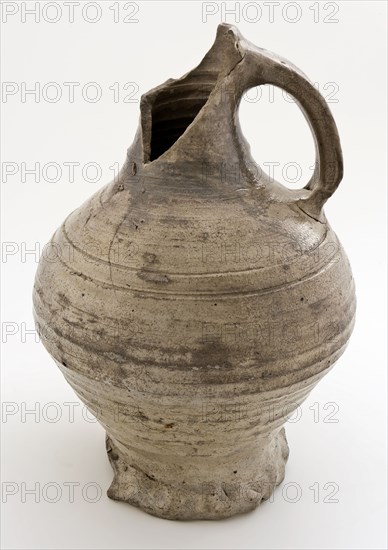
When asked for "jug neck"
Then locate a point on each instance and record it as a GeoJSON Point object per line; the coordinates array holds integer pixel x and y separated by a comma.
{"type": "Point", "coordinates": [192, 120]}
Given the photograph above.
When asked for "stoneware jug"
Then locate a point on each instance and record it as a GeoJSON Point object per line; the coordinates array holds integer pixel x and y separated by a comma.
{"type": "Point", "coordinates": [193, 303]}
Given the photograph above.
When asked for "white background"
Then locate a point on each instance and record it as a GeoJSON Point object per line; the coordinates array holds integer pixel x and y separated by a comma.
{"type": "Point", "coordinates": [345, 53]}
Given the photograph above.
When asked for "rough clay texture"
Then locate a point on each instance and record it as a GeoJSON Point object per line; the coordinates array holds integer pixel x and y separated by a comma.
{"type": "Point", "coordinates": [194, 305]}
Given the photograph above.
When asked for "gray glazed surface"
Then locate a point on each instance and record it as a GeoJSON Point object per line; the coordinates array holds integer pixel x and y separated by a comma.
{"type": "Point", "coordinates": [193, 306]}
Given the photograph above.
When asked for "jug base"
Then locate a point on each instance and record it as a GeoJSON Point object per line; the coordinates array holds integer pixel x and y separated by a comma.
{"type": "Point", "coordinates": [205, 499]}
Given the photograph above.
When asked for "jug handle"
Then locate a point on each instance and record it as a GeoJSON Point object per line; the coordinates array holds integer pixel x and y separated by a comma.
{"type": "Point", "coordinates": [264, 67]}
